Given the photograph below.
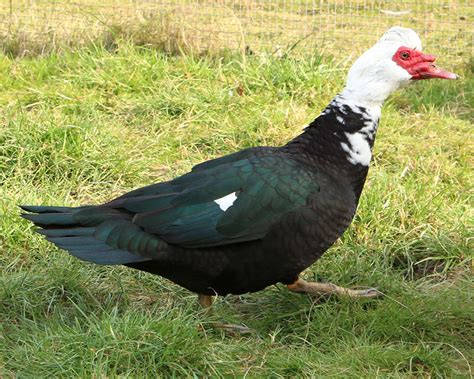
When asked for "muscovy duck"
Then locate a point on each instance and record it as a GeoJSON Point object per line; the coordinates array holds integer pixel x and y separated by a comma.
{"type": "Point", "coordinates": [260, 216]}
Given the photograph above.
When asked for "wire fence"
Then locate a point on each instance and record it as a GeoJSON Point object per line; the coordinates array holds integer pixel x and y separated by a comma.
{"type": "Point", "coordinates": [275, 26]}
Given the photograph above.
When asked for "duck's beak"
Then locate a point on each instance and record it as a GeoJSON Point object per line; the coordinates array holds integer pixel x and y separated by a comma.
{"type": "Point", "coordinates": [426, 69]}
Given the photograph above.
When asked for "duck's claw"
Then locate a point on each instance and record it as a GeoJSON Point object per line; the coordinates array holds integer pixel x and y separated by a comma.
{"type": "Point", "coordinates": [315, 288]}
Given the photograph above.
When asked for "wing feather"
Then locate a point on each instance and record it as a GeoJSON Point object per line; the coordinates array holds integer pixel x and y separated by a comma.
{"type": "Point", "coordinates": [184, 211]}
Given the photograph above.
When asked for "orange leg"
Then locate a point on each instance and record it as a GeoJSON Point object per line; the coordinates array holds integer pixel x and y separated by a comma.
{"type": "Point", "coordinates": [205, 301]}
{"type": "Point", "coordinates": [314, 288]}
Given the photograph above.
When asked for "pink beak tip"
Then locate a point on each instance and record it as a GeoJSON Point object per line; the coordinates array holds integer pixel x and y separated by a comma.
{"type": "Point", "coordinates": [448, 75]}
{"type": "Point", "coordinates": [435, 72]}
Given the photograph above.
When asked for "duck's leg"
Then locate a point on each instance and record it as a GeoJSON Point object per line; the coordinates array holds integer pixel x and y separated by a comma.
{"type": "Point", "coordinates": [205, 301]}
{"type": "Point", "coordinates": [315, 288]}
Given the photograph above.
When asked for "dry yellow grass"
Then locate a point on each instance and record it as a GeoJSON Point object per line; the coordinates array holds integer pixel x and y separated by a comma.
{"type": "Point", "coordinates": [338, 27]}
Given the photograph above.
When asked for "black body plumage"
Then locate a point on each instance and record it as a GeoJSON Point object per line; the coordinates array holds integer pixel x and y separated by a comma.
{"type": "Point", "coordinates": [234, 224]}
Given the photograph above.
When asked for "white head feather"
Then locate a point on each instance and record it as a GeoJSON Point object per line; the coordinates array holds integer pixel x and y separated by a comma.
{"type": "Point", "coordinates": [374, 75]}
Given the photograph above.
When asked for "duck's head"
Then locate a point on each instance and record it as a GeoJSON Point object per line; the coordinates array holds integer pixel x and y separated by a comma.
{"type": "Point", "coordinates": [393, 62]}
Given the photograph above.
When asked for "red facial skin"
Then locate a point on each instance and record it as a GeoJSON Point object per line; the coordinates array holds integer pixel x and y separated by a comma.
{"type": "Point", "coordinates": [419, 65]}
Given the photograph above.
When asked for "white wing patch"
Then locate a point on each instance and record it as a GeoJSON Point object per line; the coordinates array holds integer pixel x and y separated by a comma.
{"type": "Point", "coordinates": [227, 201]}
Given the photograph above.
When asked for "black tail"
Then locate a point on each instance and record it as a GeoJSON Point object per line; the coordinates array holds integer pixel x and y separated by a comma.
{"type": "Point", "coordinates": [95, 234]}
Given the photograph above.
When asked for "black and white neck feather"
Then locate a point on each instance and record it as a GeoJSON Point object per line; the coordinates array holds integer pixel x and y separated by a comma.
{"type": "Point", "coordinates": [356, 126]}
{"type": "Point", "coordinates": [341, 139]}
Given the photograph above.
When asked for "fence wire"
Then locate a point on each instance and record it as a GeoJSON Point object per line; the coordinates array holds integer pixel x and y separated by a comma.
{"type": "Point", "coordinates": [277, 26]}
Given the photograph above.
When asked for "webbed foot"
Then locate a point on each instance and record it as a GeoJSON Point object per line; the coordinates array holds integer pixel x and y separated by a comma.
{"type": "Point", "coordinates": [315, 288]}
{"type": "Point", "coordinates": [205, 301]}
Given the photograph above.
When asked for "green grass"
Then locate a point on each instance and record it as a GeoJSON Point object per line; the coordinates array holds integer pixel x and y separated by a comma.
{"type": "Point", "coordinates": [84, 127]}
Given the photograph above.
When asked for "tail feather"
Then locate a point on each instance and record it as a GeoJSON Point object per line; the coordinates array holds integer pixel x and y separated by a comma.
{"type": "Point", "coordinates": [108, 257]}
{"type": "Point", "coordinates": [46, 219]}
{"type": "Point", "coordinates": [71, 242]}
{"type": "Point", "coordinates": [67, 232]}
{"type": "Point", "coordinates": [95, 234]}
{"type": "Point", "coordinates": [47, 209]}
{"type": "Point", "coordinates": [84, 249]}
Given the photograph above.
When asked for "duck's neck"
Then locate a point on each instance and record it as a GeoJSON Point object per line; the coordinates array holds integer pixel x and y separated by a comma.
{"type": "Point", "coordinates": [340, 140]}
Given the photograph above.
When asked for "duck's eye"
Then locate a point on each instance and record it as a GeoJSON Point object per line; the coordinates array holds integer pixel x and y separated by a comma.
{"type": "Point", "coordinates": [404, 55]}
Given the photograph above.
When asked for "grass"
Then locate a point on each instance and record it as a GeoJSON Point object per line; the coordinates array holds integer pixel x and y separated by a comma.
{"type": "Point", "coordinates": [83, 127]}
{"type": "Point", "coordinates": [339, 27]}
